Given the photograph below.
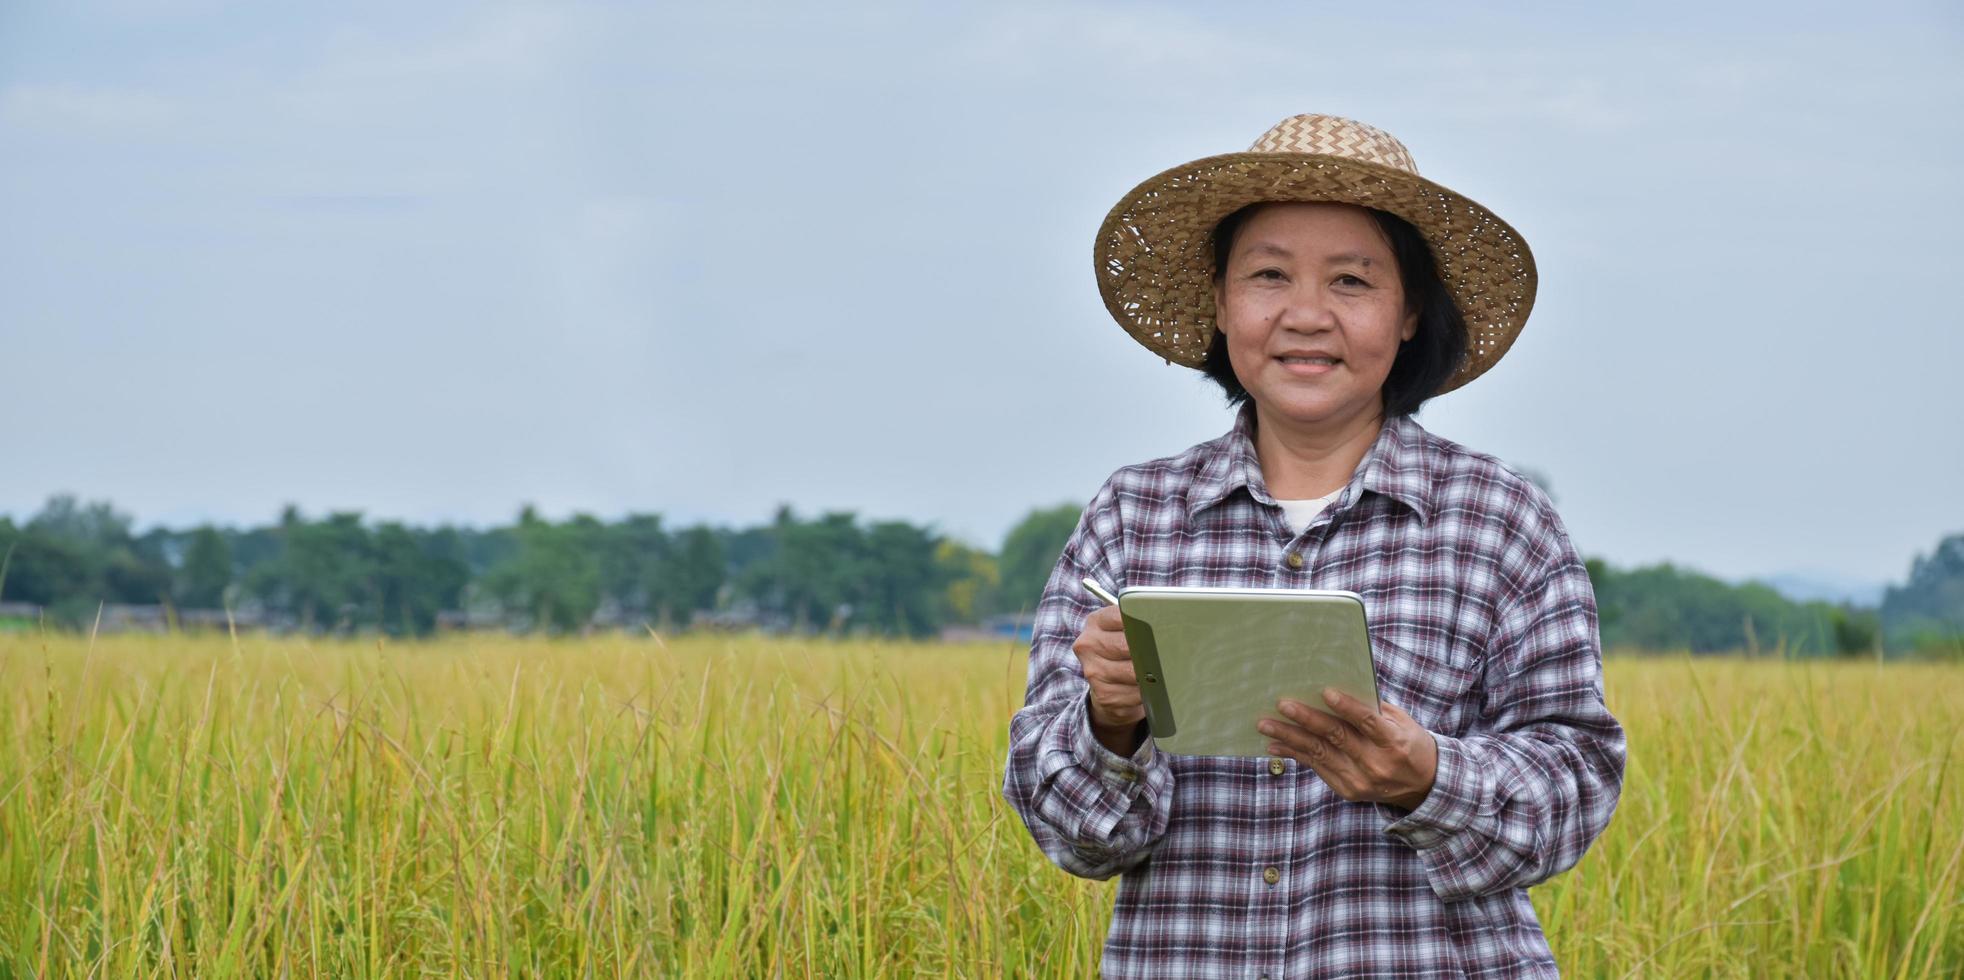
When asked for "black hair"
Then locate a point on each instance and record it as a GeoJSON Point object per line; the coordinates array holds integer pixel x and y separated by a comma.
{"type": "Point", "coordinates": [1423, 363]}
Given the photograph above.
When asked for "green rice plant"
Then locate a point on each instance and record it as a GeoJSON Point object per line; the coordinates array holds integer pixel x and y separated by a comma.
{"type": "Point", "coordinates": [1797, 818]}
{"type": "Point", "coordinates": [489, 806]}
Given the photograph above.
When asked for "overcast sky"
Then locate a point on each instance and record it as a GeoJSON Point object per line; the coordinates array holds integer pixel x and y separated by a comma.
{"type": "Point", "coordinates": [433, 261]}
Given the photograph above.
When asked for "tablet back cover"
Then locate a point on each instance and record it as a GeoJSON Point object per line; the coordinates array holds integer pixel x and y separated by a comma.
{"type": "Point", "coordinates": [1213, 662]}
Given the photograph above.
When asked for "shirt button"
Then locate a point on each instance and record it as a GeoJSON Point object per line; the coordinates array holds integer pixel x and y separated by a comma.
{"type": "Point", "coordinates": [1295, 559]}
{"type": "Point", "coordinates": [1129, 775]}
{"type": "Point", "coordinates": [1275, 767]}
{"type": "Point", "coordinates": [1271, 875]}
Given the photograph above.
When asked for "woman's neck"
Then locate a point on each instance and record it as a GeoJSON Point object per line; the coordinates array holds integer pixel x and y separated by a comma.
{"type": "Point", "coordinates": [1300, 463]}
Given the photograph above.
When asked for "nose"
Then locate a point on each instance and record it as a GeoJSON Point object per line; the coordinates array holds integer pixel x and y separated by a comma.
{"type": "Point", "coordinates": [1306, 310]}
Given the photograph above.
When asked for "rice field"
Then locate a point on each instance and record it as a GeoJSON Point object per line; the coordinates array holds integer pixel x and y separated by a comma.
{"type": "Point", "coordinates": [708, 806]}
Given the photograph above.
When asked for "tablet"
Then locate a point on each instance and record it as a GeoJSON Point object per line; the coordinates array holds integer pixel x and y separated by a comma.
{"type": "Point", "coordinates": [1213, 662]}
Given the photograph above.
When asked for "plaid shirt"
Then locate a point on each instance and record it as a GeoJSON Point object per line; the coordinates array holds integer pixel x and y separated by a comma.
{"type": "Point", "coordinates": [1483, 625]}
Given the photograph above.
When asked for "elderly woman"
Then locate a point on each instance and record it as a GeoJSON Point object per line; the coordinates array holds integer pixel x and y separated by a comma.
{"type": "Point", "coordinates": [1330, 291]}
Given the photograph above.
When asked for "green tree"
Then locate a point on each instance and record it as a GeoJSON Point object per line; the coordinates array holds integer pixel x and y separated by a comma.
{"type": "Point", "coordinates": [901, 593]}
{"type": "Point", "coordinates": [1030, 553]}
{"type": "Point", "coordinates": [554, 576]}
{"type": "Point", "coordinates": [974, 588]}
{"type": "Point", "coordinates": [632, 553]}
{"type": "Point", "coordinates": [41, 568]}
{"type": "Point", "coordinates": [251, 548]}
{"type": "Point", "coordinates": [1663, 607]}
{"type": "Point", "coordinates": [118, 567]}
{"type": "Point", "coordinates": [416, 575]}
{"type": "Point", "coordinates": [1856, 632]}
{"type": "Point", "coordinates": [1927, 611]}
{"type": "Point", "coordinates": [691, 576]}
{"type": "Point", "coordinates": [831, 574]}
{"type": "Point", "coordinates": [94, 525]}
{"type": "Point", "coordinates": [324, 575]}
{"type": "Point", "coordinates": [207, 570]}
{"type": "Point", "coordinates": [487, 549]}
{"type": "Point", "coordinates": [813, 574]}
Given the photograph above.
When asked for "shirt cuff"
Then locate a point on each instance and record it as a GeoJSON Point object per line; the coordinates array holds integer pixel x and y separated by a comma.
{"type": "Point", "coordinates": [1110, 767]}
{"type": "Point", "coordinates": [1448, 808]}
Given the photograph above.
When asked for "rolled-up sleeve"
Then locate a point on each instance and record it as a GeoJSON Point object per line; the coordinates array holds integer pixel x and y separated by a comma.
{"type": "Point", "coordinates": [1519, 798]}
{"type": "Point", "coordinates": [1093, 812]}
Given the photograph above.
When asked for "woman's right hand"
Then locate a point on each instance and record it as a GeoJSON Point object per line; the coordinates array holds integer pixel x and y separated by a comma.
{"type": "Point", "coordinates": [1115, 705]}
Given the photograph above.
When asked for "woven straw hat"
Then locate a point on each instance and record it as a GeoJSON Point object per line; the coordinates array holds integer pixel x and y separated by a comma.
{"type": "Point", "coordinates": [1155, 251]}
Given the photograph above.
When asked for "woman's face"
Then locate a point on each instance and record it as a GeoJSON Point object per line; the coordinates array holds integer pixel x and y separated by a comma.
{"type": "Point", "coordinates": [1314, 311]}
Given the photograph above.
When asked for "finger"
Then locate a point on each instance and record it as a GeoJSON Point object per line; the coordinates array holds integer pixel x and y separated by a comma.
{"type": "Point", "coordinates": [1106, 649]}
{"type": "Point", "coordinates": [1306, 746]}
{"type": "Point", "coordinates": [1104, 633]}
{"type": "Point", "coordinates": [1337, 747]}
{"type": "Point", "coordinates": [1116, 695]}
{"type": "Point", "coordinates": [1106, 618]}
{"type": "Point", "coordinates": [1312, 750]}
{"type": "Point", "coordinates": [1317, 721]}
{"type": "Point", "coordinates": [1097, 644]}
{"type": "Point", "coordinates": [1113, 673]}
{"type": "Point", "coordinates": [1362, 717]}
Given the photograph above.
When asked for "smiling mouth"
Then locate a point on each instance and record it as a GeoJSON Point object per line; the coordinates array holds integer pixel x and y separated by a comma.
{"type": "Point", "coordinates": [1308, 366]}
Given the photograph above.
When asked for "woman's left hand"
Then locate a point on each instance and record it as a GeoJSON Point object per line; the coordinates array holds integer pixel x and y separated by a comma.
{"type": "Point", "coordinates": [1366, 756]}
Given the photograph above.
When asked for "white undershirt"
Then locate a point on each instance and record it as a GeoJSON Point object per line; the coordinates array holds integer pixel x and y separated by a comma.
{"type": "Point", "coordinates": [1298, 513]}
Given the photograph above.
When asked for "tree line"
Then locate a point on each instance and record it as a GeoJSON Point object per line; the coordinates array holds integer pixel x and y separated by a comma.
{"type": "Point", "coordinates": [340, 573]}
{"type": "Point", "coordinates": [831, 573]}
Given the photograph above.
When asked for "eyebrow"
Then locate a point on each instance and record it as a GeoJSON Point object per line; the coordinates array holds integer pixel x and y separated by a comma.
{"type": "Point", "coordinates": [1354, 258]}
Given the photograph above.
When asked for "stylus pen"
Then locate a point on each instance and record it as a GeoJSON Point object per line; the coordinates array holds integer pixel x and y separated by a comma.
{"type": "Point", "coordinates": [1101, 592]}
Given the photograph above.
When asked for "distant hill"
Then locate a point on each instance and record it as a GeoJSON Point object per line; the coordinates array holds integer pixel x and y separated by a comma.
{"type": "Point", "coordinates": [1826, 587]}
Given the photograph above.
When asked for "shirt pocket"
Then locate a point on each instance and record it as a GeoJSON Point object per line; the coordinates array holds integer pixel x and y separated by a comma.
{"type": "Point", "coordinates": [1437, 684]}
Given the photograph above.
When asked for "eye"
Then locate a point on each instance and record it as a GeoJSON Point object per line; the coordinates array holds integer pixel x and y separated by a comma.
{"type": "Point", "coordinates": [1270, 273]}
{"type": "Point", "coordinates": [1349, 280]}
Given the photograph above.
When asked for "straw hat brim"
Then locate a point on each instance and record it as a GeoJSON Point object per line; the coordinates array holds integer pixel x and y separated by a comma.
{"type": "Point", "coordinates": [1155, 250]}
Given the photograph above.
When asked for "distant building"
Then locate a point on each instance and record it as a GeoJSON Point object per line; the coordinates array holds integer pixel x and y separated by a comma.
{"type": "Point", "coordinates": [118, 617]}
{"type": "Point", "coordinates": [1012, 626]}
{"type": "Point", "coordinates": [19, 615]}
{"type": "Point", "coordinates": [1005, 628]}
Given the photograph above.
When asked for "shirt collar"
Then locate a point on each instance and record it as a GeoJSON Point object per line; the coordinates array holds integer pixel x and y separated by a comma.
{"type": "Point", "coordinates": [1396, 466]}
